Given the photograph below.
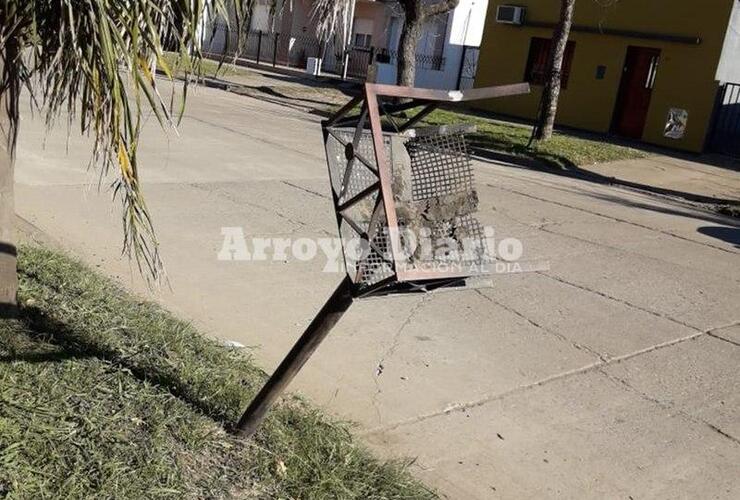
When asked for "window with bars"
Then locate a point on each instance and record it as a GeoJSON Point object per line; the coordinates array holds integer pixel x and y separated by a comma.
{"type": "Point", "coordinates": [363, 40]}
{"type": "Point", "coordinates": [431, 45]}
{"type": "Point", "coordinates": [539, 55]}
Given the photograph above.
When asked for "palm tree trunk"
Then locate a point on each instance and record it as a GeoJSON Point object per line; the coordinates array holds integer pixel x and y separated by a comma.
{"type": "Point", "coordinates": [8, 122]}
{"type": "Point", "coordinates": [410, 34]}
{"type": "Point", "coordinates": [552, 87]}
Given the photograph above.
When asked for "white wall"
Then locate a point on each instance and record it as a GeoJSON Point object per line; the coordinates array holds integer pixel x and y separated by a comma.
{"type": "Point", "coordinates": [215, 42]}
{"type": "Point", "coordinates": [464, 27]}
{"type": "Point", "coordinates": [260, 20]}
{"type": "Point", "coordinates": [729, 63]}
{"type": "Point", "coordinates": [468, 23]}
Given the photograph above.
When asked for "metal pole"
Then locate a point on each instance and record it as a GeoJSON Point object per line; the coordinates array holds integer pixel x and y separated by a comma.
{"type": "Point", "coordinates": [371, 70]}
{"type": "Point", "coordinates": [462, 67]}
{"type": "Point", "coordinates": [345, 61]}
{"type": "Point", "coordinates": [347, 42]}
{"type": "Point", "coordinates": [274, 49]}
{"type": "Point", "coordinates": [259, 45]}
{"type": "Point", "coordinates": [322, 50]}
{"type": "Point", "coordinates": [328, 316]}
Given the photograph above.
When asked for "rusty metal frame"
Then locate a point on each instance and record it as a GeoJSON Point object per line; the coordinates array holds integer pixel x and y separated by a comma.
{"type": "Point", "coordinates": [373, 109]}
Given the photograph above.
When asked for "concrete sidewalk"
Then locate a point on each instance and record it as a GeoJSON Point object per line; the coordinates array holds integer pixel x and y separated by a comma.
{"type": "Point", "coordinates": [614, 374]}
{"type": "Point", "coordinates": [677, 174]}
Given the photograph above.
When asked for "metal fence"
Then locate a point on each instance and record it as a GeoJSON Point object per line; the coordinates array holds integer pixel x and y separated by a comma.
{"type": "Point", "coordinates": [262, 47]}
{"type": "Point", "coordinates": [468, 67]}
{"type": "Point", "coordinates": [294, 51]}
{"type": "Point", "coordinates": [356, 59]}
{"type": "Point", "coordinates": [725, 134]}
{"type": "Point", "coordinates": [423, 61]}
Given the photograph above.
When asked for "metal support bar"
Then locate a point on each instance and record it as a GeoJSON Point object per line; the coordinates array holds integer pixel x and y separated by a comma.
{"type": "Point", "coordinates": [447, 95]}
{"type": "Point", "coordinates": [345, 63]}
{"type": "Point", "coordinates": [419, 116]}
{"type": "Point", "coordinates": [343, 111]}
{"type": "Point", "coordinates": [462, 67]}
{"type": "Point", "coordinates": [359, 196]}
{"type": "Point", "coordinates": [328, 316]}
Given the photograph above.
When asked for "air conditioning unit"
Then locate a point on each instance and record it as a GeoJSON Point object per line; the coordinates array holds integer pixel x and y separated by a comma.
{"type": "Point", "coordinates": [509, 14]}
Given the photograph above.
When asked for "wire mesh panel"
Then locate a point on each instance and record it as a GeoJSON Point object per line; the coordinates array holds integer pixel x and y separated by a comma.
{"type": "Point", "coordinates": [343, 155]}
{"type": "Point", "coordinates": [363, 225]}
{"type": "Point", "coordinates": [435, 199]}
{"type": "Point", "coordinates": [435, 202]}
{"type": "Point", "coordinates": [405, 198]}
{"type": "Point", "coordinates": [440, 165]}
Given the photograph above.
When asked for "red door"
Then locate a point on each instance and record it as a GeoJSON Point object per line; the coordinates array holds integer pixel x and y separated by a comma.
{"type": "Point", "coordinates": [633, 100]}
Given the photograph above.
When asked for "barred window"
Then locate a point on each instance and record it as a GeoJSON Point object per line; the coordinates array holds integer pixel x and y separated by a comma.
{"type": "Point", "coordinates": [539, 55]}
{"type": "Point", "coordinates": [363, 40]}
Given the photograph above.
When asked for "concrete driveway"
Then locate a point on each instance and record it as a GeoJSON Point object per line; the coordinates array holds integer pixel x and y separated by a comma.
{"type": "Point", "coordinates": [614, 374]}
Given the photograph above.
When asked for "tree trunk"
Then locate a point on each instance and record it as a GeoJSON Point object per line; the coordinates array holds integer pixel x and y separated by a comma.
{"type": "Point", "coordinates": [410, 34]}
{"type": "Point", "coordinates": [9, 97]}
{"type": "Point", "coordinates": [552, 87]}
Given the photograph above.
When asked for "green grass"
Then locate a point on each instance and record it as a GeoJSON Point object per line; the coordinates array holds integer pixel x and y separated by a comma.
{"type": "Point", "coordinates": [103, 395]}
{"type": "Point", "coordinates": [208, 67]}
{"type": "Point", "coordinates": [729, 210]}
{"type": "Point", "coordinates": [561, 151]}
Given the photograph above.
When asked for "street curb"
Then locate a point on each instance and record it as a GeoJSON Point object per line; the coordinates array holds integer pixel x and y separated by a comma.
{"type": "Point", "coordinates": [503, 157]}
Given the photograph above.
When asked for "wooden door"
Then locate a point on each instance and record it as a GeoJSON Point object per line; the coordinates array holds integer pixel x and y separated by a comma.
{"type": "Point", "coordinates": [633, 100]}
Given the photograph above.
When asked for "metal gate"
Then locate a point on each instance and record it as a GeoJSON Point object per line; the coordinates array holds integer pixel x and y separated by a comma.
{"type": "Point", "coordinates": [725, 136]}
{"type": "Point", "coordinates": [468, 67]}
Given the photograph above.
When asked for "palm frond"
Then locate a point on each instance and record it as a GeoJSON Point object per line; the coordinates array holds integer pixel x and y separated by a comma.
{"type": "Point", "coordinates": [95, 61]}
{"type": "Point", "coordinates": [332, 16]}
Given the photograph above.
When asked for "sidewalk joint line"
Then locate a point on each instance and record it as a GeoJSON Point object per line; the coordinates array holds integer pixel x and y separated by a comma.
{"type": "Point", "coordinates": [720, 337]}
{"type": "Point", "coordinates": [306, 190]}
{"type": "Point", "coordinates": [563, 375]}
{"type": "Point", "coordinates": [668, 405]}
{"type": "Point", "coordinates": [618, 300]}
{"type": "Point", "coordinates": [560, 336]}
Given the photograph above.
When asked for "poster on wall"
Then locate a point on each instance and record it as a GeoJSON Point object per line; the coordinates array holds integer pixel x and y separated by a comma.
{"type": "Point", "coordinates": [675, 125]}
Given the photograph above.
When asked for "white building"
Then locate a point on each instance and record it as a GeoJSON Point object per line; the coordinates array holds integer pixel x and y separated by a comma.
{"type": "Point", "coordinates": [283, 31]}
{"type": "Point", "coordinates": [442, 46]}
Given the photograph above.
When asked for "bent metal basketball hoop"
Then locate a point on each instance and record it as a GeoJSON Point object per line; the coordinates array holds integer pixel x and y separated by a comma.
{"type": "Point", "coordinates": [396, 189]}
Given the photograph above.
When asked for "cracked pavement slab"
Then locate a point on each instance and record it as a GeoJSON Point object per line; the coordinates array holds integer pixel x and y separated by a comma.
{"type": "Point", "coordinates": [579, 437]}
{"type": "Point", "coordinates": [611, 374]}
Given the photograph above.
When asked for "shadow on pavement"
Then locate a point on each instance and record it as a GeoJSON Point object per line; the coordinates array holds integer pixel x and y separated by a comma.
{"type": "Point", "coordinates": [727, 234]}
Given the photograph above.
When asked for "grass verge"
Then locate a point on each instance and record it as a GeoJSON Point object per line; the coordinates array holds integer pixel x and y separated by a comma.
{"type": "Point", "coordinates": [729, 210]}
{"type": "Point", "coordinates": [561, 151]}
{"type": "Point", "coordinates": [207, 67]}
{"type": "Point", "coordinates": [103, 395]}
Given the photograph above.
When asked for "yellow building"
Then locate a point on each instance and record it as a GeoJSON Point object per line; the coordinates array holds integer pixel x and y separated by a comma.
{"type": "Point", "coordinates": [644, 69]}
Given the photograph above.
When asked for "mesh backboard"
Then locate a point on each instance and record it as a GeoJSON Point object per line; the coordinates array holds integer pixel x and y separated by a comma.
{"type": "Point", "coordinates": [405, 197]}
